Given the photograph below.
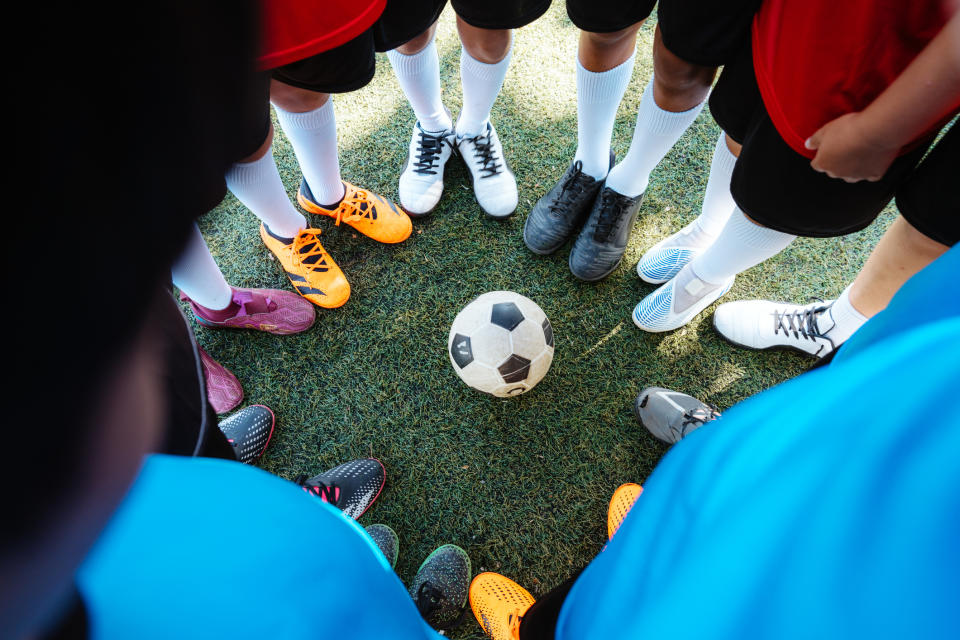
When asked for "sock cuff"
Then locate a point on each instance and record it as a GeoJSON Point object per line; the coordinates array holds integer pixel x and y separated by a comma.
{"type": "Point", "coordinates": [661, 122]}
{"type": "Point", "coordinates": [242, 173]}
{"type": "Point", "coordinates": [594, 87]}
{"type": "Point", "coordinates": [410, 65]}
{"type": "Point", "coordinates": [482, 70]}
{"type": "Point", "coordinates": [723, 158]}
{"type": "Point", "coordinates": [308, 120]}
{"type": "Point", "coordinates": [753, 235]}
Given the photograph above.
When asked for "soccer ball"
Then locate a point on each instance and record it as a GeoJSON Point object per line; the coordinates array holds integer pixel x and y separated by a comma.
{"type": "Point", "coordinates": [501, 344]}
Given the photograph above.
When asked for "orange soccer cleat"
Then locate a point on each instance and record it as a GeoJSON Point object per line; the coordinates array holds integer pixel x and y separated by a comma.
{"type": "Point", "coordinates": [311, 270]}
{"type": "Point", "coordinates": [499, 604]}
{"type": "Point", "coordinates": [620, 504]}
{"type": "Point", "coordinates": [370, 214]}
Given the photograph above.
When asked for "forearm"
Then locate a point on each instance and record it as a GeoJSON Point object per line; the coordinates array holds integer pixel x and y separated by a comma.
{"type": "Point", "coordinates": [926, 92]}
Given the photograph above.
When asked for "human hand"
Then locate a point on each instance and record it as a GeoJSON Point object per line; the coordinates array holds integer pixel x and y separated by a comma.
{"type": "Point", "coordinates": [847, 148]}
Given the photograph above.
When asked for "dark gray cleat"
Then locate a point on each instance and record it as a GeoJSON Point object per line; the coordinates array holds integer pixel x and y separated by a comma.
{"type": "Point", "coordinates": [387, 540]}
{"type": "Point", "coordinates": [561, 211]}
{"type": "Point", "coordinates": [603, 240]}
{"type": "Point", "coordinates": [671, 415]}
{"type": "Point", "coordinates": [441, 587]}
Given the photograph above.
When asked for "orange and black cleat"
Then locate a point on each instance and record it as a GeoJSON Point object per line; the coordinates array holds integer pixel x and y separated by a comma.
{"type": "Point", "coordinates": [311, 270]}
{"type": "Point", "coordinates": [620, 504]}
{"type": "Point", "coordinates": [499, 604]}
{"type": "Point", "coordinates": [370, 214]}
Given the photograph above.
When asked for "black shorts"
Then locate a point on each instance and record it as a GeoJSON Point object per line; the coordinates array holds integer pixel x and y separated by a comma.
{"type": "Point", "coordinates": [606, 16]}
{"type": "Point", "coordinates": [351, 65]}
{"type": "Point", "coordinates": [706, 32]}
{"type": "Point", "coordinates": [776, 186]}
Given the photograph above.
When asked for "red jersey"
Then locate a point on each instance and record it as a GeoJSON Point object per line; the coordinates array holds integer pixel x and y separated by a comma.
{"type": "Point", "coordinates": [817, 60]}
{"type": "Point", "coordinates": [297, 29]}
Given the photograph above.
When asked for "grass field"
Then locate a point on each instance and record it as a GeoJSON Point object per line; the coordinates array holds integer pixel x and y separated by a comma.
{"type": "Point", "coordinates": [522, 484]}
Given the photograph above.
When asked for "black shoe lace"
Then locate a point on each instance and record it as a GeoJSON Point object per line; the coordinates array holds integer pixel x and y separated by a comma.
{"type": "Point", "coordinates": [319, 488]}
{"type": "Point", "coordinates": [612, 206]}
{"type": "Point", "coordinates": [483, 151]}
{"type": "Point", "coordinates": [802, 322]}
{"type": "Point", "coordinates": [571, 189]}
{"type": "Point", "coordinates": [429, 148]}
{"type": "Point", "coordinates": [429, 599]}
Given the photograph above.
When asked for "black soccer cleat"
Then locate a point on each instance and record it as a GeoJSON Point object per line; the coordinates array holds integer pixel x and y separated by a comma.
{"type": "Point", "coordinates": [441, 587]}
{"type": "Point", "coordinates": [386, 540]}
{"type": "Point", "coordinates": [602, 242]}
{"type": "Point", "coordinates": [562, 210]}
{"type": "Point", "coordinates": [249, 431]}
{"type": "Point", "coordinates": [351, 487]}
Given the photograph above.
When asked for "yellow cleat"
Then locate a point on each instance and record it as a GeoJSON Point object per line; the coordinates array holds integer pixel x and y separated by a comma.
{"type": "Point", "coordinates": [620, 504]}
{"type": "Point", "coordinates": [311, 270]}
{"type": "Point", "coordinates": [370, 214]}
{"type": "Point", "coordinates": [499, 604]}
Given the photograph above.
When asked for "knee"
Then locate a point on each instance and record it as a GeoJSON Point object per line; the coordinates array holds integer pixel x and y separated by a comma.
{"type": "Point", "coordinates": [489, 48]}
{"type": "Point", "coordinates": [419, 43]}
{"type": "Point", "coordinates": [676, 75]}
{"type": "Point", "coordinates": [294, 99]}
{"type": "Point", "coordinates": [610, 40]}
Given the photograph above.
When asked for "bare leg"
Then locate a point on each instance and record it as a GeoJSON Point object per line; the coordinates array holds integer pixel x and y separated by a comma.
{"type": "Point", "coordinates": [678, 85]}
{"type": "Point", "coordinates": [488, 46]}
{"type": "Point", "coordinates": [599, 52]}
{"type": "Point", "coordinates": [901, 253]}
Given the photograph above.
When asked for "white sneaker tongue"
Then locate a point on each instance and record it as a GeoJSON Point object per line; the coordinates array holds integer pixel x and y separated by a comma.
{"type": "Point", "coordinates": [825, 321]}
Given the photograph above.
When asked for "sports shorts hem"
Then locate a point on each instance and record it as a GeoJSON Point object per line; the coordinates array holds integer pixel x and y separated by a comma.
{"type": "Point", "coordinates": [467, 11]}
{"type": "Point", "coordinates": [594, 17]}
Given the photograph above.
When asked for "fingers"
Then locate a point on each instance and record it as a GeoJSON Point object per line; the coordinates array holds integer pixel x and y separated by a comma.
{"type": "Point", "coordinates": [813, 142]}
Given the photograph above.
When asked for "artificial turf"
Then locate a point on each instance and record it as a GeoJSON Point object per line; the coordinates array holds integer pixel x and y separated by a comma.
{"type": "Point", "coordinates": [523, 483]}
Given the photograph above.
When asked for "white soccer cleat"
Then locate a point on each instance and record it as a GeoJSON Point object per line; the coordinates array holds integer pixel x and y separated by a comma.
{"type": "Point", "coordinates": [421, 181]}
{"type": "Point", "coordinates": [677, 302]}
{"type": "Point", "coordinates": [760, 324]}
{"type": "Point", "coordinates": [665, 259]}
{"type": "Point", "coordinates": [494, 184]}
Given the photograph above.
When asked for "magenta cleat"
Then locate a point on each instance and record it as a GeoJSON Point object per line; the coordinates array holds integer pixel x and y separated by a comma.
{"type": "Point", "coordinates": [271, 310]}
{"type": "Point", "coordinates": [223, 389]}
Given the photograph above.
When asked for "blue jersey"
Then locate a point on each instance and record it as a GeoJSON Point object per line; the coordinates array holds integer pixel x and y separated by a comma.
{"type": "Point", "coordinates": [205, 548]}
{"type": "Point", "coordinates": [827, 507]}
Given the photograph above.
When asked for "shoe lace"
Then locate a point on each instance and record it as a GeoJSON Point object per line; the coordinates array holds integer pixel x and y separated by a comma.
{"type": "Point", "coordinates": [802, 323]}
{"type": "Point", "coordinates": [484, 152]}
{"type": "Point", "coordinates": [308, 251]}
{"type": "Point", "coordinates": [699, 416]}
{"type": "Point", "coordinates": [429, 147]}
{"type": "Point", "coordinates": [429, 599]}
{"type": "Point", "coordinates": [612, 206]}
{"type": "Point", "coordinates": [571, 188]}
{"type": "Point", "coordinates": [356, 206]}
{"type": "Point", "coordinates": [319, 488]}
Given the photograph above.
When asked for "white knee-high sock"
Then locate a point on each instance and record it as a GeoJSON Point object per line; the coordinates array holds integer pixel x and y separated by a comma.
{"type": "Point", "coordinates": [718, 202]}
{"type": "Point", "coordinates": [598, 97]}
{"type": "Point", "coordinates": [741, 245]}
{"type": "Point", "coordinates": [258, 186]}
{"type": "Point", "coordinates": [419, 77]}
{"type": "Point", "coordinates": [656, 132]}
{"type": "Point", "coordinates": [197, 275]}
{"type": "Point", "coordinates": [313, 135]}
{"type": "Point", "coordinates": [481, 85]}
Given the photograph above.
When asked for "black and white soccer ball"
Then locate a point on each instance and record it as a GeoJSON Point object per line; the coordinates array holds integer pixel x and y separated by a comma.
{"type": "Point", "coordinates": [501, 344]}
